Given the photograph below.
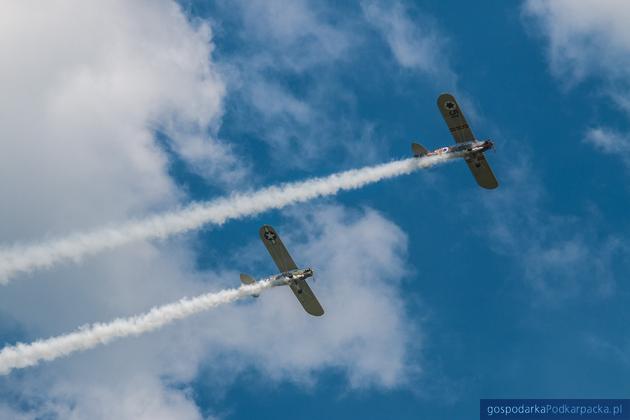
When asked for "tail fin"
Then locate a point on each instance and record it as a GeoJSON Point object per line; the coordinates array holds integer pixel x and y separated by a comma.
{"type": "Point", "coordinates": [246, 279]}
{"type": "Point", "coordinates": [418, 150]}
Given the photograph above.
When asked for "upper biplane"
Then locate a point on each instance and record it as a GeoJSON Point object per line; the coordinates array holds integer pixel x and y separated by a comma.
{"type": "Point", "coordinates": [467, 145]}
{"type": "Point", "coordinates": [290, 275]}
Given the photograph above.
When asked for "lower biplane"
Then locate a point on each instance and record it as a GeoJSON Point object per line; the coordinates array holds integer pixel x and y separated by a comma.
{"type": "Point", "coordinates": [290, 275]}
{"type": "Point", "coordinates": [467, 147]}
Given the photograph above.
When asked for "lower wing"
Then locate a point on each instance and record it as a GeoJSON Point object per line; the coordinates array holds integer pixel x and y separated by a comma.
{"type": "Point", "coordinates": [307, 298]}
{"type": "Point", "coordinates": [481, 171]}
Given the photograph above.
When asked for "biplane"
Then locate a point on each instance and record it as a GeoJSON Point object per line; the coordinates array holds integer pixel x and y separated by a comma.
{"type": "Point", "coordinates": [290, 275]}
{"type": "Point", "coordinates": [467, 147]}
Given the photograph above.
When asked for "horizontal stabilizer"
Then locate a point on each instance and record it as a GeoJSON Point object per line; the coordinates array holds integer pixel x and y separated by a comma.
{"type": "Point", "coordinates": [418, 150]}
{"type": "Point", "coordinates": [245, 279]}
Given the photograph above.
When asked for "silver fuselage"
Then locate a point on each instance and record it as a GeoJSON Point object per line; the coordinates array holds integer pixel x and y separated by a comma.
{"type": "Point", "coordinates": [291, 277]}
{"type": "Point", "coordinates": [463, 149]}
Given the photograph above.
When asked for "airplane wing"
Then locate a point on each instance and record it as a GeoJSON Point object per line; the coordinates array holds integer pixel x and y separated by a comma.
{"type": "Point", "coordinates": [481, 171]}
{"type": "Point", "coordinates": [276, 249]}
{"type": "Point", "coordinates": [307, 298]}
{"type": "Point", "coordinates": [454, 118]}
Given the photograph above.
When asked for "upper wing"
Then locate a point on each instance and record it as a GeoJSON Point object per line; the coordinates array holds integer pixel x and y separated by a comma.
{"type": "Point", "coordinates": [481, 171]}
{"type": "Point", "coordinates": [306, 297]}
{"type": "Point", "coordinates": [454, 118]}
{"type": "Point", "coordinates": [277, 249]}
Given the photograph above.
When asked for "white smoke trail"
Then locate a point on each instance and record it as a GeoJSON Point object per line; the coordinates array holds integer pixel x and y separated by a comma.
{"type": "Point", "coordinates": [29, 257]}
{"type": "Point", "coordinates": [89, 336]}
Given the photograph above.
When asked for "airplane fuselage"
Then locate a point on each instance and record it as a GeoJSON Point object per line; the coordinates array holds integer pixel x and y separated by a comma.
{"type": "Point", "coordinates": [291, 277]}
{"type": "Point", "coordinates": [463, 149]}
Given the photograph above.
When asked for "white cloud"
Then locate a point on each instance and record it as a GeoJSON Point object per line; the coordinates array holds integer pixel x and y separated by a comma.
{"type": "Point", "coordinates": [135, 398]}
{"type": "Point", "coordinates": [300, 39]}
{"type": "Point", "coordinates": [589, 39]}
{"type": "Point", "coordinates": [82, 91]}
{"type": "Point", "coordinates": [299, 34]}
{"type": "Point", "coordinates": [415, 42]}
{"type": "Point", "coordinates": [610, 142]}
{"type": "Point", "coordinates": [132, 396]}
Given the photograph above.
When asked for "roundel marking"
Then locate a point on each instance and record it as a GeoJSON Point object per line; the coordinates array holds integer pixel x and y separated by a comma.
{"type": "Point", "coordinates": [270, 236]}
{"type": "Point", "coordinates": [450, 105]}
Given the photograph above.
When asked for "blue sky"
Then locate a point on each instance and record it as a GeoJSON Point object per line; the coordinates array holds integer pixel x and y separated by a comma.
{"type": "Point", "coordinates": [438, 293]}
